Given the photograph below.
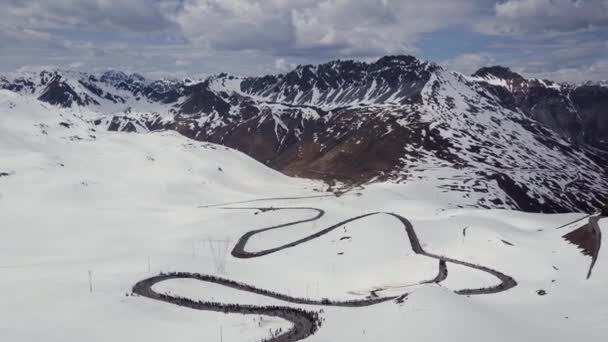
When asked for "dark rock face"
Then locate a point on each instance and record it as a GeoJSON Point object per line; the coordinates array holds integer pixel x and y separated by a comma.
{"type": "Point", "coordinates": [17, 85]}
{"type": "Point", "coordinates": [591, 103]}
{"type": "Point", "coordinates": [96, 90]}
{"type": "Point", "coordinates": [496, 140]}
{"type": "Point", "coordinates": [59, 93]}
{"type": "Point", "coordinates": [400, 78]}
{"type": "Point", "coordinates": [604, 210]}
{"type": "Point", "coordinates": [501, 73]}
{"type": "Point", "coordinates": [578, 113]}
{"type": "Point", "coordinates": [163, 92]}
{"type": "Point", "coordinates": [518, 193]}
{"type": "Point", "coordinates": [552, 108]}
{"type": "Point", "coordinates": [203, 100]}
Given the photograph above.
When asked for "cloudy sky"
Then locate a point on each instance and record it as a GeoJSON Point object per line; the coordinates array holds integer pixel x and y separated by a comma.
{"type": "Point", "coordinates": [558, 39]}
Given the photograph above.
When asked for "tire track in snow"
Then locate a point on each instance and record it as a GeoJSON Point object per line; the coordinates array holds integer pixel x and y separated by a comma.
{"type": "Point", "coordinates": [264, 200]}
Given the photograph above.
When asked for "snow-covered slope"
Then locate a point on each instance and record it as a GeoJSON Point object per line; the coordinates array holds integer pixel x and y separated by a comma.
{"type": "Point", "coordinates": [80, 202]}
{"type": "Point", "coordinates": [42, 137]}
{"type": "Point", "coordinates": [576, 111]}
{"type": "Point", "coordinates": [492, 140]}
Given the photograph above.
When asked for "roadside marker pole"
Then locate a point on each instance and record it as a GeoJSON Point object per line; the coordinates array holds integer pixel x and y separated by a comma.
{"type": "Point", "coordinates": [90, 282]}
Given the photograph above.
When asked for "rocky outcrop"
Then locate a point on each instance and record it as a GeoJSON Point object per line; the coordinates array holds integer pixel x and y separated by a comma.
{"type": "Point", "coordinates": [495, 139]}
{"type": "Point", "coordinates": [577, 112]}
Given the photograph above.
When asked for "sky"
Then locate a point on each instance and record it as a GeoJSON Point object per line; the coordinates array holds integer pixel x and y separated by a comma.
{"type": "Point", "coordinates": [563, 40]}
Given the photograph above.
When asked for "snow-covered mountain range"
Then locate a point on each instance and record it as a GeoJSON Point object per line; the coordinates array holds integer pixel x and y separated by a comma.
{"type": "Point", "coordinates": [493, 139]}
{"type": "Point", "coordinates": [153, 236]}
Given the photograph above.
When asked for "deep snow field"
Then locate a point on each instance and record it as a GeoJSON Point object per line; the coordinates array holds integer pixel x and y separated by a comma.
{"type": "Point", "coordinates": [127, 206]}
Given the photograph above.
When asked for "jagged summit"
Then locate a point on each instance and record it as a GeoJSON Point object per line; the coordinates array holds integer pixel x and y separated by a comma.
{"type": "Point", "coordinates": [498, 72]}
{"type": "Point", "coordinates": [573, 110]}
{"type": "Point", "coordinates": [494, 139]}
{"type": "Point", "coordinates": [122, 80]}
{"type": "Point", "coordinates": [347, 64]}
{"type": "Point", "coordinates": [113, 76]}
{"type": "Point", "coordinates": [389, 80]}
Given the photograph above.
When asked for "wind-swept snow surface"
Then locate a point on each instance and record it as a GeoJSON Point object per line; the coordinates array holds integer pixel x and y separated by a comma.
{"type": "Point", "coordinates": [124, 207]}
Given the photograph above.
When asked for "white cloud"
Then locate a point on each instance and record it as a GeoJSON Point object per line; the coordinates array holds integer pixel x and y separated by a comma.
{"type": "Point", "coordinates": [282, 65]}
{"type": "Point", "coordinates": [76, 65]}
{"type": "Point", "coordinates": [317, 27]}
{"type": "Point", "coordinates": [183, 62]}
{"type": "Point", "coordinates": [469, 63]}
{"type": "Point", "coordinates": [136, 15]}
{"type": "Point", "coordinates": [252, 37]}
{"type": "Point", "coordinates": [542, 16]}
{"type": "Point", "coordinates": [595, 71]}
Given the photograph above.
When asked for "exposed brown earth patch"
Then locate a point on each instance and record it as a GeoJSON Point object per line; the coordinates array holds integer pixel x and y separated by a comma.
{"type": "Point", "coordinates": [589, 239]}
{"type": "Point", "coordinates": [584, 238]}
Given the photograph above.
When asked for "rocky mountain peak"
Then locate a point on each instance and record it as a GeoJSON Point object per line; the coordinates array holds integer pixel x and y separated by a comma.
{"type": "Point", "coordinates": [135, 77]}
{"type": "Point", "coordinates": [398, 60]}
{"type": "Point", "coordinates": [113, 77]}
{"type": "Point", "coordinates": [497, 138]}
{"type": "Point", "coordinates": [500, 72]}
{"type": "Point", "coordinates": [391, 79]}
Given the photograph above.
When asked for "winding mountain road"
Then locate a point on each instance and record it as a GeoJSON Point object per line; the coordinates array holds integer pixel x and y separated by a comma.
{"type": "Point", "coordinates": [304, 322]}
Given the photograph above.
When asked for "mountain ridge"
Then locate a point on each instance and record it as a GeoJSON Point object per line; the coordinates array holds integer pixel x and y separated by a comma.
{"type": "Point", "coordinates": [500, 140]}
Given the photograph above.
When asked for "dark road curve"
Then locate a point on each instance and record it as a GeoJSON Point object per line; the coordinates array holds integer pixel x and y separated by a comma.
{"type": "Point", "coordinates": [506, 282]}
{"type": "Point", "coordinates": [305, 323]}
